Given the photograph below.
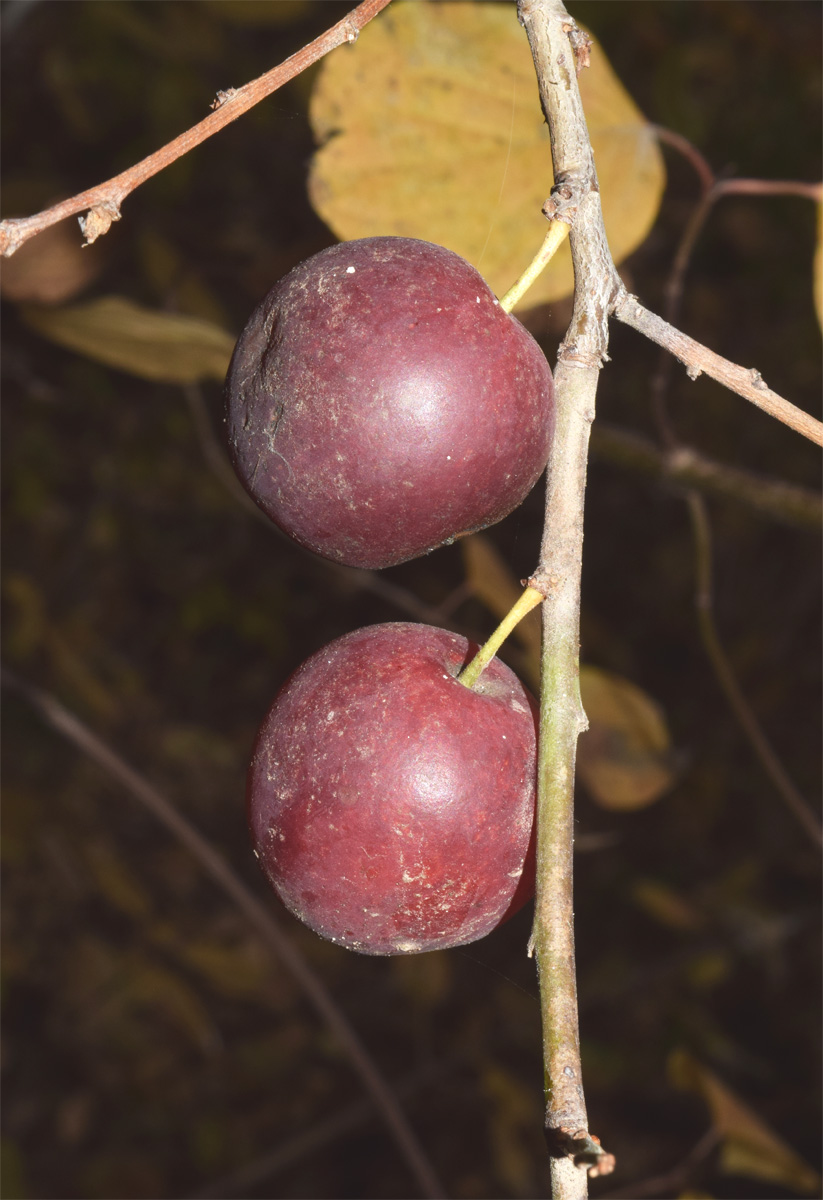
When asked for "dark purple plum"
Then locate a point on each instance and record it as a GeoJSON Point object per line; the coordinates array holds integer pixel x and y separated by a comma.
{"type": "Point", "coordinates": [380, 402]}
{"type": "Point", "coordinates": [391, 807]}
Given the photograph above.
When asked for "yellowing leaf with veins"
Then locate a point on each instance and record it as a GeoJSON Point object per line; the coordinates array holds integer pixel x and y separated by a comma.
{"type": "Point", "coordinates": [160, 346]}
{"type": "Point", "coordinates": [623, 757]}
{"type": "Point", "coordinates": [431, 127]}
{"type": "Point", "coordinates": [749, 1147]}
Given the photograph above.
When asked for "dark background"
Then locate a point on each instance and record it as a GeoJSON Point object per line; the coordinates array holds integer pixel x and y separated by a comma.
{"type": "Point", "coordinates": [151, 1045]}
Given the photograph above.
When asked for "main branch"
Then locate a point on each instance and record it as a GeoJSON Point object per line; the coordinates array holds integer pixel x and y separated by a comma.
{"type": "Point", "coordinates": [558, 47]}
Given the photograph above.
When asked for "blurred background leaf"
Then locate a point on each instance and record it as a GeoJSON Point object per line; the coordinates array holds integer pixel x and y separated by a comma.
{"type": "Point", "coordinates": [162, 347]}
{"type": "Point", "coordinates": [748, 1146]}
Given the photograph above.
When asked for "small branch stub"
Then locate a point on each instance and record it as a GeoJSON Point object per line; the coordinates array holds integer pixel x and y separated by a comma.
{"type": "Point", "coordinates": [97, 221]}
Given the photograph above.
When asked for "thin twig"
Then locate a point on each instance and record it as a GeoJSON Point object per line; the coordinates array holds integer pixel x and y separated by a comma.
{"type": "Point", "coordinates": [311, 1141]}
{"type": "Point", "coordinates": [771, 764]}
{"type": "Point", "coordinates": [215, 865]}
{"type": "Point", "coordinates": [688, 151]}
{"type": "Point", "coordinates": [685, 466]}
{"type": "Point", "coordinates": [104, 201]}
{"type": "Point", "coordinates": [711, 191]}
{"type": "Point", "coordinates": [770, 187]}
{"type": "Point", "coordinates": [699, 360]}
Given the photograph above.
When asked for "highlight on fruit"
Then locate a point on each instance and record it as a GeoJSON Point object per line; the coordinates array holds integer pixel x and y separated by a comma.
{"type": "Point", "coordinates": [380, 402]}
{"type": "Point", "coordinates": [391, 807]}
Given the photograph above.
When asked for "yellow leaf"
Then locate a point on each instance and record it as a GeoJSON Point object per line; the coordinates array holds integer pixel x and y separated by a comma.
{"type": "Point", "coordinates": [749, 1146]}
{"type": "Point", "coordinates": [431, 127]}
{"type": "Point", "coordinates": [162, 347]}
{"type": "Point", "coordinates": [623, 757]}
{"type": "Point", "coordinates": [817, 269]}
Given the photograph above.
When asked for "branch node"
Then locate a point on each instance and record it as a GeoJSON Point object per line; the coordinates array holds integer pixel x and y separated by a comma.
{"type": "Point", "coordinates": [222, 98]}
{"type": "Point", "coordinates": [542, 582]}
{"type": "Point", "coordinates": [97, 221]}
{"type": "Point", "coordinates": [582, 1147]}
{"type": "Point", "coordinates": [693, 371]}
{"type": "Point", "coordinates": [581, 44]}
{"type": "Point", "coordinates": [352, 32]}
{"type": "Point", "coordinates": [564, 200]}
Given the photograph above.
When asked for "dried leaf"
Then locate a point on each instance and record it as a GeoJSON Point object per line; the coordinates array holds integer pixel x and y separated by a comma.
{"type": "Point", "coordinates": [623, 759]}
{"type": "Point", "coordinates": [162, 347]}
{"type": "Point", "coordinates": [431, 127]}
{"type": "Point", "coordinates": [238, 971]}
{"type": "Point", "coordinates": [664, 905]}
{"type": "Point", "coordinates": [749, 1146]}
{"type": "Point", "coordinates": [115, 879]}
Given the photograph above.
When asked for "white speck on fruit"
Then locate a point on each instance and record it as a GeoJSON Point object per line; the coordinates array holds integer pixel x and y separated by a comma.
{"type": "Point", "coordinates": [448, 458]}
{"type": "Point", "coordinates": [478, 299]}
{"type": "Point", "coordinates": [440, 310]}
{"type": "Point", "coordinates": [504, 737]}
{"type": "Point", "coordinates": [330, 715]}
{"type": "Point", "coordinates": [256, 855]}
{"type": "Point", "coordinates": [447, 676]}
{"type": "Point", "coordinates": [350, 270]}
{"type": "Point", "coordinates": [516, 874]}
{"type": "Point", "coordinates": [407, 947]}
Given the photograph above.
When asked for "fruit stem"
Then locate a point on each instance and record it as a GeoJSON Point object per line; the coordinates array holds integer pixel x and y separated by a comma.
{"type": "Point", "coordinates": [529, 600]}
{"type": "Point", "coordinates": [554, 239]}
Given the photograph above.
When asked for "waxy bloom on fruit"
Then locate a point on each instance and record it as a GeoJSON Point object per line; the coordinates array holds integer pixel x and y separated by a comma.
{"type": "Point", "coordinates": [391, 807]}
{"type": "Point", "coordinates": [380, 402]}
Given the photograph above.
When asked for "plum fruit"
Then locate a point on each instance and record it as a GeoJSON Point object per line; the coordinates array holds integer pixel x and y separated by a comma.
{"type": "Point", "coordinates": [380, 402]}
{"type": "Point", "coordinates": [391, 807]}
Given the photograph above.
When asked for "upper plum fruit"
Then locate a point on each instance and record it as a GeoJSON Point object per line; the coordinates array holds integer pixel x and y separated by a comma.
{"type": "Point", "coordinates": [380, 402]}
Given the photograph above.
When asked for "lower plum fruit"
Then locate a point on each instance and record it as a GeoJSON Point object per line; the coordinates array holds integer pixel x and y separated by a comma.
{"type": "Point", "coordinates": [391, 807]}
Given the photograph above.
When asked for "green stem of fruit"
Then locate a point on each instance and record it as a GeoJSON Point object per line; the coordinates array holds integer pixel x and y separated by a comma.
{"type": "Point", "coordinates": [529, 600]}
{"type": "Point", "coordinates": [554, 239]}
